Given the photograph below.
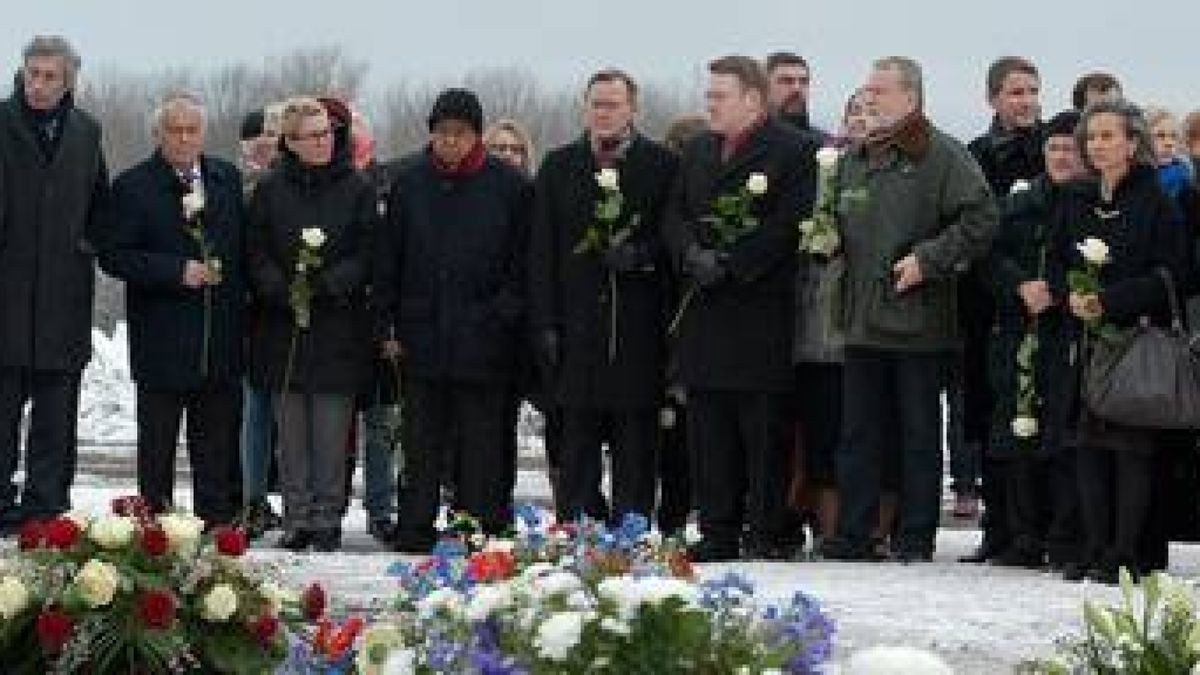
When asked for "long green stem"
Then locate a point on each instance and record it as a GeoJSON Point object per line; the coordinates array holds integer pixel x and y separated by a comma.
{"type": "Point", "coordinates": [612, 317]}
{"type": "Point", "coordinates": [673, 328]}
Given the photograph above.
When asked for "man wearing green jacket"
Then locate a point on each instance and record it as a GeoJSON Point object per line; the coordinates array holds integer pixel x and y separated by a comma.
{"type": "Point", "coordinates": [914, 210]}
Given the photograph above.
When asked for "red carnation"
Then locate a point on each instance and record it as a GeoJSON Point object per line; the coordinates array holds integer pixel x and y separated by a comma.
{"type": "Point", "coordinates": [62, 533]}
{"type": "Point", "coordinates": [156, 609]}
{"type": "Point", "coordinates": [491, 566]}
{"type": "Point", "coordinates": [54, 629]}
{"type": "Point", "coordinates": [231, 541]}
{"type": "Point", "coordinates": [154, 540]}
{"type": "Point", "coordinates": [131, 506]}
{"type": "Point", "coordinates": [313, 602]}
{"type": "Point", "coordinates": [265, 628]}
{"type": "Point", "coordinates": [31, 535]}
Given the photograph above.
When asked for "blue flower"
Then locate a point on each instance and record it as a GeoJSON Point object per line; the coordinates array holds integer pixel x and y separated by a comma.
{"type": "Point", "coordinates": [530, 515]}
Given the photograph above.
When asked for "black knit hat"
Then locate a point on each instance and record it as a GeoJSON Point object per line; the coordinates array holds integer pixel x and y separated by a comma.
{"type": "Point", "coordinates": [252, 125]}
{"type": "Point", "coordinates": [457, 104]}
{"type": "Point", "coordinates": [1062, 124]}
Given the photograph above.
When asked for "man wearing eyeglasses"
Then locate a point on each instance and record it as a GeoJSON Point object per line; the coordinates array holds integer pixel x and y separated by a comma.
{"type": "Point", "coordinates": [449, 295]}
{"type": "Point", "coordinates": [598, 292]}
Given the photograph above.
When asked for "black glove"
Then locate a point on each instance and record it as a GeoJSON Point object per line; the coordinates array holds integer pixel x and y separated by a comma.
{"type": "Point", "coordinates": [703, 265]}
{"type": "Point", "coordinates": [623, 257]}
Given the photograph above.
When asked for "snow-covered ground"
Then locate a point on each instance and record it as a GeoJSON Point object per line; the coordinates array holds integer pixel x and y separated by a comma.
{"type": "Point", "coordinates": [981, 619]}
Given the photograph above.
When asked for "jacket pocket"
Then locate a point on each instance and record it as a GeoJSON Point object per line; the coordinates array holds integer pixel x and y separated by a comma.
{"type": "Point", "coordinates": [904, 315]}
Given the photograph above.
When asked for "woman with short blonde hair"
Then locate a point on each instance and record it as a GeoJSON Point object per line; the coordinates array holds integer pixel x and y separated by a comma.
{"type": "Point", "coordinates": [509, 140]}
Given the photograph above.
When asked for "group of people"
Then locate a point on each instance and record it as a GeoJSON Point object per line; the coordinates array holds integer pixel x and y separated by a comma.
{"type": "Point", "coordinates": [654, 299]}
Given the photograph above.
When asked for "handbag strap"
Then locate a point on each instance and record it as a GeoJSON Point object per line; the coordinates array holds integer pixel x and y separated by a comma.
{"type": "Point", "coordinates": [1172, 298]}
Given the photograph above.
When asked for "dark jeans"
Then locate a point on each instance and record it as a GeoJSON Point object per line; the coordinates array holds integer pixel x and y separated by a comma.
{"type": "Point", "coordinates": [1115, 497]}
{"type": "Point", "coordinates": [901, 391]}
{"type": "Point", "coordinates": [738, 441]}
{"type": "Point", "coordinates": [213, 434]}
{"type": "Point", "coordinates": [50, 449]}
{"type": "Point", "coordinates": [445, 419]}
{"type": "Point", "coordinates": [819, 411]}
{"type": "Point", "coordinates": [966, 456]}
{"type": "Point", "coordinates": [1043, 505]}
{"type": "Point", "coordinates": [634, 436]}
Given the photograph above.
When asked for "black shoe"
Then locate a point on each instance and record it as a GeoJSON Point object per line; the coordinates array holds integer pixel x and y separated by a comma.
{"type": "Point", "coordinates": [1017, 557]}
{"type": "Point", "coordinates": [907, 557]}
{"type": "Point", "coordinates": [383, 530]}
{"type": "Point", "coordinates": [842, 550]}
{"type": "Point", "coordinates": [296, 540]}
{"type": "Point", "coordinates": [327, 540]}
{"type": "Point", "coordinates": [710, 551]}
{"type": "Point", "coordinates": [1074, 572]}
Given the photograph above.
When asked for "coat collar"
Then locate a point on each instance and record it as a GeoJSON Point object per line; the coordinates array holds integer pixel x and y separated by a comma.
{"type": "Point", "coordinates": [756, 147]}
{"type": "Point", "coordinates": [911, 137]}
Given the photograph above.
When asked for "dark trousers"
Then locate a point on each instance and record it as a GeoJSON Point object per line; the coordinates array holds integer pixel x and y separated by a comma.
{"type": "Point", "coordinates": [1115, 498]}
{"type": "Point", "coordinates": [313, 430]}
{"type": "Point", "coordinates": [50, 448]}
{"type": "Point", "coordinates": [463, 420]}
{"type": "Point", "coordinates": [1043, 505]}
{"type": "Point", "coordinates": [632, 448]}
{"type": "Point", "coordinates": [738, 441]}
{"type": "Point", "coordinates": [674, 473]}
{"type": "Point", "coordinates": [213, 436]}
{"type": "Point", "coordinates": [819, 413]}
{"type": "Point", "coordinates": [901, 391]}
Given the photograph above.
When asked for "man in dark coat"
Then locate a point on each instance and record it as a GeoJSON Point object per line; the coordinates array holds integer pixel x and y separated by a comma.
{"type": "Point", "coordinates": [1009, 152]}
{"type": "Point", "coordinates": [52, 221]}
{"type": "Point", "coordinates": [743, 188]}
{"type": "Point", "coordinates": [1040, 464]}
{"type": "Point", "coordinates": [597, 302]}
{"type": "Point", "coordinates": [177, 244]}
{"type": "Point", "coordinates": [450, 287]}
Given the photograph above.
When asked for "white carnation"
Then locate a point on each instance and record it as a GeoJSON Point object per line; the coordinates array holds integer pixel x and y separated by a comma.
{"type": "Point", "coordinates": [559, 634]}
{"type": "Point", "coordinates": [756, 184]}
{"type": "Point", "coordinates": [14, 597]}
{"type": "Point", "coordinates": [557, 583]}
{"type": "Point", "coordinates": [400, 662]}
{"type": "Point", "coordinates": [487, 600]}
{"type": "Point", "coordinates": [112, 532]}
{"type": "Point", "coordinates": [97, 583]}
{"type": "Point", "coordinates": [220, 604]}
{"type": "Point", "coordinates": [441, 600]}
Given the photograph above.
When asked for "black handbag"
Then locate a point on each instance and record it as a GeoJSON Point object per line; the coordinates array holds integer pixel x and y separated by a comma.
{"type": "Point", "coordinates": [1149, 377]}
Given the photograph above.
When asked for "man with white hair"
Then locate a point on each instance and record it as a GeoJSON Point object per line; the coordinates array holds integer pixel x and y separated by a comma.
{"type": "Point", "coordinates": [53, 198]}
{"type": "Point", "coordinates": [177, 244]}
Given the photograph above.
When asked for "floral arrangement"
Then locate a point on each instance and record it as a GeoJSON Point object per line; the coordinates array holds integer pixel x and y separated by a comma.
{"type": "Point", "coordinates": [132, 592]}
{"type": "Point", "coordinates": [1155, 634]}
{"type": "Point", "coordinates": [579, 597]}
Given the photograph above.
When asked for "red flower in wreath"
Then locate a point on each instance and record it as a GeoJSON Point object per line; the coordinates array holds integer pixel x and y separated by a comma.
{"type": "Point", "coordinates": [231, 541]}
{"type": "Point", "coordinates": [31, 535]}
{"type": "Point", "coordinates": [491, 566]}
{"type": "Point", "coordinates": [154, 541]}
{"type": "Point", "coordinates": [54, 628]}
{"type": "Point", "coordinates": [265, 628]}
{"type": "Point", "coordinates": [156, 609]}
{"type": "Point", "coordinates": [313, 602]}
{"type": "Point", "coordinates": [62, 533]}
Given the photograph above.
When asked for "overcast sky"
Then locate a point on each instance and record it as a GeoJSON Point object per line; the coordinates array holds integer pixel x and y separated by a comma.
{"type": "Point", "coordinates": [1154, 46]}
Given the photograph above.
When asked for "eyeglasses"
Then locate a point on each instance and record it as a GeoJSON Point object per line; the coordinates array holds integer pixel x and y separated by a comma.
{"type": "Point", "coordinates": [507, 148]}
{"type": "Point", "coordinates": [312, 135]}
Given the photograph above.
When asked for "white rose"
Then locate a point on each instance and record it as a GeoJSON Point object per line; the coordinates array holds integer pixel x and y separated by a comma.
{"type": "Point", "coordinates": [14, 597]}
{"type": "Point", "coordinates": [183, 531]}
{"type": "Point", "coordinates": [1024, 426]}
{"type": "Point", "coordinates": [220, 604]}
{"type": "Point", "coordinates": [608, 179]}
{"type": "Point", "coordinates": [827, 157]}
{"type": "Point", "coordinates": [79, 518]}
{"type": "Point", "coordinates": [112, 532]}
{"type": "Point", "coordinates": [756, 184]}
{"type": "Point", "coordinates": [807, 226]}
{"type": "Point", "coordinates": [193, 203]}
{"type": "Point", "coordinates": [559, 634]}
{"type": "Point", "coordinates": [313, 237]}
{"type": "Point", "coordinates": [487, 600]}
{"type": "Point", "coordinates": [1093, 250]}
{"type": "Point", "coordinates": [614, 626]}
{"type": "Point", "coordinates": [97, 583]}
{"type": "Point", "coordinates": [666, 417]}
{"type": "Point", "coordinates": [400, 662]}
{"type": "Point", "coordinates": [1019, 186]}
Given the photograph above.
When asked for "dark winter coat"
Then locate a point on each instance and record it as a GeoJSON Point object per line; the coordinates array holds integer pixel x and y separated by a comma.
{"type": "Point", "coordinates": [333, 356]}
{"type": "Point", "coordinates": [1144, 231]}
{"type": "Point", "coordinates": [450, 272]}
{"type": "Point", "coordinates": [149, 249]}
{"type": "Point", "coordinates": [924, 195]}
{"type": "Point", "coordinates": [1019, 255]}
{"type": "Point", "coordinates": [574, 293]}
{"type": "Point", "coordinates": [737, 334]}
{"type": "Point", "coordinates": [54, 214]}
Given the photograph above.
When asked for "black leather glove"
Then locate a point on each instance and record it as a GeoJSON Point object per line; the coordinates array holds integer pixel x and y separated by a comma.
{"type": "Point", "coordinates": [623, 257]}
{"type": "Point", "coordinates": [703, 265]}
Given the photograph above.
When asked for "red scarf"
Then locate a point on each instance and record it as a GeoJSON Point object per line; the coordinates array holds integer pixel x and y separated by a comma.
{"type": "Point", "coordinates": [469, 166]}
{"type": "Point", "coordinates": [732, 143]}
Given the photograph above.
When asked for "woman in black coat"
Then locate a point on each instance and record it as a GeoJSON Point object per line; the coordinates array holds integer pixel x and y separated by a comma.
{"type": "Point", "coordinates": [1143, 231]}
{"type": "Point", "coordinates": [313, 196]}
